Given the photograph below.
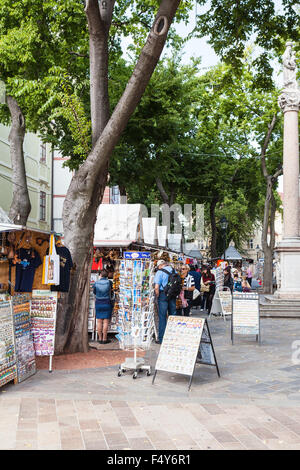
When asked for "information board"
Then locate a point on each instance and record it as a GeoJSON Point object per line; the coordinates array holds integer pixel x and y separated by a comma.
{"type": "Point", "coordinates": [245, 315]}
{"type": "Point", "coordinates": [186, 341]}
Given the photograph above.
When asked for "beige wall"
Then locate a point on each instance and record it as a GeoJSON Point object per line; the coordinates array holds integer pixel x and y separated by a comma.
{"type": "Point", "coordinates": [38, 177]}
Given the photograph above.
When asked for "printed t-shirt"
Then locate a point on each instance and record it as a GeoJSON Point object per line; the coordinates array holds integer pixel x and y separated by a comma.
{"type": "Point", "coordinates": [65, 265]}
{"type": "Point", "coordinates": [30, 260]}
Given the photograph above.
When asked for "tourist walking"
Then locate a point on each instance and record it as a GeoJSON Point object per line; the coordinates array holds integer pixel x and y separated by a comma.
{"type": "Point", "coordinates": [208, 288]}
{"type": "Point", "coordinates": [197, 278]}
{"type": "Point", "coordinates": [103, 305]}
{"type": "Point", "coordinates": [249, 273]}
{"type": "Point", "coordinates": [165, 305]}
{"type": "Point", "coordinates": [228, 281]}
{"type": "Point", "coordinates": [187, 290]}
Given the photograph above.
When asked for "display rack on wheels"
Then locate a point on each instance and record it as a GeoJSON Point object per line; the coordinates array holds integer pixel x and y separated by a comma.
{"type": "Point", "coordinates": [136, 309]}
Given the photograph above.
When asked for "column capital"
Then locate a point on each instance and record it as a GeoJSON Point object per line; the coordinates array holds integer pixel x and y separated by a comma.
{"type": "Point", "coordinates": [289, 100]}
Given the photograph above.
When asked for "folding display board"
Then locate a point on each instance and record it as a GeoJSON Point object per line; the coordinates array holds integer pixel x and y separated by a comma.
{"type": "Point", "coordinates": [186, 341]}
{"type": "Point", "coordinates": [245, 319]}
{"type": "Point", "coordinates": [226, 302]}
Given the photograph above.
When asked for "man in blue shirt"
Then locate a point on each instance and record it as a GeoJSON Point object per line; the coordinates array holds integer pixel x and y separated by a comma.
{"type": "Point", "coordinates": [164, 305]}
{"type": "Point", "coordinates": [197, 278]}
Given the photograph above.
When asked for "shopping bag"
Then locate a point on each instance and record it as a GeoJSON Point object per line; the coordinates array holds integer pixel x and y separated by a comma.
{"type": "Point", "coordinates": [51, 265]}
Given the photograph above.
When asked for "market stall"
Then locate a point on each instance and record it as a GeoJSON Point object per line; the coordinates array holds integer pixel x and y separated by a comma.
{"type": "Point", "coordinates": [34, 268]}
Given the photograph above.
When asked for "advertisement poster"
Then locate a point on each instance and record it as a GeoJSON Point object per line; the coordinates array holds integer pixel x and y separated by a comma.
{"type": "Point", "coordinates": [43, 321]}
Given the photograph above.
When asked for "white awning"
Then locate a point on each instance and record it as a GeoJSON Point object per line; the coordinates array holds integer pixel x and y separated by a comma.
{"type": "Point", "coordinates": [10, 227]}
{"type": "Point", "coordinates": [117, 224]}
{"type": "Point", "coordinates": [112, 243]}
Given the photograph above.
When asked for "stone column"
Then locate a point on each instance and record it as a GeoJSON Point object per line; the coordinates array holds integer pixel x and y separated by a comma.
{"type": "Point", "coordinates": [289, 247]}
{"type": "Point", "coordinates": [291, 175]}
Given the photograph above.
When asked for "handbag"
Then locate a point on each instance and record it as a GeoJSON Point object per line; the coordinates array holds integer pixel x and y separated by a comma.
{"type": "Point", "coordinates": [204, 288]}
{"type": "Point", "coordinates": [196, 294]}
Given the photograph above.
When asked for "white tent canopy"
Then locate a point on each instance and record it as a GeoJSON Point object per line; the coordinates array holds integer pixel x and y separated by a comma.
{"type": "Point", "coordinates": [117, 224]}
{"type": "Point", "coordinates": [232, 254]}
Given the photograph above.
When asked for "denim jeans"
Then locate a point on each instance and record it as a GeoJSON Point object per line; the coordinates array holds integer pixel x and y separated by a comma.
{"type": "Point", "coordinates": [164, 306]}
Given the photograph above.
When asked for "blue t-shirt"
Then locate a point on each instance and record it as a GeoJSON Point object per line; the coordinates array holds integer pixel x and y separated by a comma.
{"type": "Point", "coordinates": [197, 278]}
{"type": "Point", "coordinates": [161, 278]}
{"type": "Point", "coordinates": [25, 270]}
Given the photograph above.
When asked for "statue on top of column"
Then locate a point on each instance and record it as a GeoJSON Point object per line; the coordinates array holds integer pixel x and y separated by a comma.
{"type": "Point", "coordinates": [289, 67]}
{"type": "Point", "coordinates": [289, 99]}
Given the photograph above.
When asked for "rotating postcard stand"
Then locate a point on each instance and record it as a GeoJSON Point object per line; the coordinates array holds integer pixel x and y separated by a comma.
{"type": "Point", "coordinates": [136, 310]}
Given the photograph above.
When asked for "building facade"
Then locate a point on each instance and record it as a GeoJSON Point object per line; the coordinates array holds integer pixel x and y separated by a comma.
{"type": "Point", "coordinates": [38, 165]}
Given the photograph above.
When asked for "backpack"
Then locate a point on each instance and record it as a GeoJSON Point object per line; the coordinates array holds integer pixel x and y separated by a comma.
{"type": "Point", "coordinates": [174, 284]}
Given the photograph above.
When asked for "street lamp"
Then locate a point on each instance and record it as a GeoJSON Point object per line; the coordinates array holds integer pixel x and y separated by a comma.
{"type": "Point", "coordinates": [224, 225]}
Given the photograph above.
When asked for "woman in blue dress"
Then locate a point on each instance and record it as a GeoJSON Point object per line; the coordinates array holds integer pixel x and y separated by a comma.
{"type": "Point", "coordinates": [103, 305]}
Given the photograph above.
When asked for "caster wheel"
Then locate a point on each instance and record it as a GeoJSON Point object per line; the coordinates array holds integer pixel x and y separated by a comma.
{"type": "Point", "coordinates": [135, 375]}
{"type": "Point", "coordinates": [148, 373]}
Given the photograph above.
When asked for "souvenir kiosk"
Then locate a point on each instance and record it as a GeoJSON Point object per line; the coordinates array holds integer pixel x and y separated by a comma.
{"type": "Point", "coordinates": [27, 302]}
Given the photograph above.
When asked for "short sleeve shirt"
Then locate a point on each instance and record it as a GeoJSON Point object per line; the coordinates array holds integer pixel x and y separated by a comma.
{"type": "Point", "coordinates": [25, 270]}
{"type": "Point", "coordinates": [161, 278]}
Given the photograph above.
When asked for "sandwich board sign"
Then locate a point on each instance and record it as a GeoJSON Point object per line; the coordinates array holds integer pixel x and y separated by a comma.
{"type": "Point", "coordinates": [245, 319]}
{"type": "Point", "coordinates": [226, 302]}
{"type": "Point", "coordinates": [186, 342]}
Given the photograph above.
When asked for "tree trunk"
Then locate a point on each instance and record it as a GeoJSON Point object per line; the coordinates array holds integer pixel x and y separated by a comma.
{"type": "Point", "coordinates": [20, 207]}
{"type": "Point", "coordinates": [213, 225]}
{"type": "Point", "coordinates": [88, 184]}
{"type": "Point", "coordinates": [268, 229]}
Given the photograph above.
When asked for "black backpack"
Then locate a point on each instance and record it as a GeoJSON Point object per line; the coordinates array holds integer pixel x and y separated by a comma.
{"type": "Point", "coordinates": [174, 284]}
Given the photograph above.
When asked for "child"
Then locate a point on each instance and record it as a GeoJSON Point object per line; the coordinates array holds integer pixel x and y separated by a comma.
{"type": "Point", "coordinates": [237, 284]}
{"type": "Point", "coordinates": [245, 285]}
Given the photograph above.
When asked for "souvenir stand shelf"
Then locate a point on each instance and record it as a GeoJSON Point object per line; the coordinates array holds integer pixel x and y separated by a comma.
{"type": "Point", "coordinates": [25, 354]}
{"type": "Point", "coordinates": [136, 309]}
{"type": "Point", "coordinates": [92, 314]}
{"type": "Point", "coordinates": [43, 322]}
{"type": "Point", "coordinates": [8, 361]}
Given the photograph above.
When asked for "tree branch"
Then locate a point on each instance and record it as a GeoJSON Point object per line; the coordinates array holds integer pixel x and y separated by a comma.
{"type": "Point", "coordinates": [265, 146]}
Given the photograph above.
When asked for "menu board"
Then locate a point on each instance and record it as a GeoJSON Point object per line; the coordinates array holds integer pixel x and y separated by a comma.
{"type": "Point", "coordinates": [43, 321]}
{"type": "Point", "coordinates": [245, 314]}
{"type": "Point", "coordinates": [25, 354]}
{"type": "Point", "coordinates": [8, 367]}
{"type": "Point", "coordinates": [225, 302]}
{"type": "Point", "coordinates": [180, 345]}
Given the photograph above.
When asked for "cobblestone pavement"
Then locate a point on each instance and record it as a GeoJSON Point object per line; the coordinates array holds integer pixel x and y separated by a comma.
{"type": "Point", "coordinates": [254, 405]}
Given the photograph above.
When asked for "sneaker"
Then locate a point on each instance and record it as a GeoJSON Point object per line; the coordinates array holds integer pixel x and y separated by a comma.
{"type": "Point", "coordinates": [106, 341]}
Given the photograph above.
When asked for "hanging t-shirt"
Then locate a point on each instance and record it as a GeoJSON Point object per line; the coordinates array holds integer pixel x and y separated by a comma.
{"type": "Point", "coordinates": [25, 270]}
{"type": "Point", "coordinates": [65, 265]}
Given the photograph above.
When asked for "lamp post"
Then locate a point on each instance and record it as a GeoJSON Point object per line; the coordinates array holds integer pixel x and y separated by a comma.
{"type": "Point", "coordinates": [224, 225]}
